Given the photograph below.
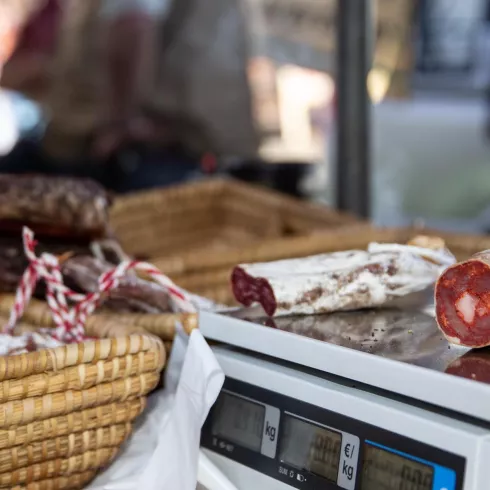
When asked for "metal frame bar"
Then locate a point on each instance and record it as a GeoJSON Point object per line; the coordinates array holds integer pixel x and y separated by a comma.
{"type": "Point", "coordinates": [353, 110]}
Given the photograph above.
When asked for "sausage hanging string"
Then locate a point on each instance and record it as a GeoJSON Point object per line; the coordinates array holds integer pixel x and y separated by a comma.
{"type": "Point", "coordinates": [70, 321]}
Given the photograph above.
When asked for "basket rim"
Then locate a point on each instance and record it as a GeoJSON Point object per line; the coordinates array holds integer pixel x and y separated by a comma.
{"type": "Point", "coordinates": [89, 351]}
{"type": "Point", "coordinates": [225, 186]}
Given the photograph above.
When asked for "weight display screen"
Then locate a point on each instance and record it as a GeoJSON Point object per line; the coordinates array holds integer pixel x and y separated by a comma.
{"type": "Point", "coordinates": [383, 470]}
{"type": "Point", "coordinates": [238, 420]}
{"type": "Point", "coordinates": [308, 447]}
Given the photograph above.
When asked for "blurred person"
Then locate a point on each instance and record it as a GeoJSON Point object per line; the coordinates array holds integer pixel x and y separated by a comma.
{"type": "Point", "coordinates": [27, 68]}
{"type": "Point", "coordinates": [13, 15]}
{"type": "Point", "coordinates": [136, 91]}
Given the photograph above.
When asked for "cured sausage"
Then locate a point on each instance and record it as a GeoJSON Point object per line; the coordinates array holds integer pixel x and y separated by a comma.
{"type": "Point", "coordinates": [13, 261]}
{"type": "Point", "coordinates": [132, 295]}
{"type": "Point", "coordinates": [53, 206]}
{"type": "Point", "coordinates": [462, 297]}
{"type": "Point", "coordinates": [339, 281]}
{"type": "Point", "coordinates": [474, 365]}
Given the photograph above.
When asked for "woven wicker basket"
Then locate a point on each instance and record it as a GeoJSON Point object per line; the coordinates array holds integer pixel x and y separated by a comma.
{"type": "Point", "coordinates": [66, 411]}
{"type": "Point", "coordinates": [209, 275]}
{"type": "Point", "coordinates": [213, 215]}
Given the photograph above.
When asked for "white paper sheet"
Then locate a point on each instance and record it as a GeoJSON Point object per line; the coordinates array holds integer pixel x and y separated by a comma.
{"type": "Point", "coordinates": [163, 452]}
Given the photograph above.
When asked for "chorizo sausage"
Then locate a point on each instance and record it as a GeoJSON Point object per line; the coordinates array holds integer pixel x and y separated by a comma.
{"type": "Point", "coordinates": [462, 299]}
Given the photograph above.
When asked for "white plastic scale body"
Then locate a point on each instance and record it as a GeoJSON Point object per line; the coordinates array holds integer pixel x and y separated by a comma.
{"type": "Point", "coordinates": [364, 401]}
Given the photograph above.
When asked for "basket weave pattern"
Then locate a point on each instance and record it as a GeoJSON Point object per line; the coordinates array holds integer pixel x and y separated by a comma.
{"type": "Point", "coordinates": [215, 214]}
{"type": "Point", "coordinates": [66, 411]}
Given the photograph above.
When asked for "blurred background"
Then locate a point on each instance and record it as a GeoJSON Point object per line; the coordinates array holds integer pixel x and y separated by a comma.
{"type": "Point", "coordinates": [381, 107]}
{"type": "Point", "coordinates": [428, 78]}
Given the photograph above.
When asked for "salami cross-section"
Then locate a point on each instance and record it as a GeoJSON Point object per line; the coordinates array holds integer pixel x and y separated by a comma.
{"type": "Point", "coordinates": [342, 280]}
{"type": "Point", "coordinates": [462, 297]}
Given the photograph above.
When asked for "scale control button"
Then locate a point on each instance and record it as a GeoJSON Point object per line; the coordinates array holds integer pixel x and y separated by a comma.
{"type": "Point", "coordinates": [349, 454]}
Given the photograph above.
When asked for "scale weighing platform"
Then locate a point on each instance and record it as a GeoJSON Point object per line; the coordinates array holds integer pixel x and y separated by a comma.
{"type": "Point", "coordinates": [372, 400]}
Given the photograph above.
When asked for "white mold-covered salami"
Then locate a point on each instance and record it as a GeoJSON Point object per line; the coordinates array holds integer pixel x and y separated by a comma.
{"type": "Point", "coordinates": [340, 281]}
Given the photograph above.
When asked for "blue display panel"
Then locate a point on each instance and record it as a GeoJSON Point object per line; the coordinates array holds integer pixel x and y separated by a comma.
{"type": "Point", "coordinates": [384, 467]}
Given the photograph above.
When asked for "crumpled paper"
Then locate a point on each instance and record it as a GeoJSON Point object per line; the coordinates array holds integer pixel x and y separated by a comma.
{"type": "Point", "coordinates": [163, 451]}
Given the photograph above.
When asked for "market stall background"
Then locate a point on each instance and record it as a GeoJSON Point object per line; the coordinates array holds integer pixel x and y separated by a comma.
{"type": "Point", "coordinates": [344, 90]}
{"type": "Point", "coordinates": [428, 73]}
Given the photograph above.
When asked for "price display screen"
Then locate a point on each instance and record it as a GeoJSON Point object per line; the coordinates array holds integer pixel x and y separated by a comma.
{"type": "Point", "coordinates": [239, 420]}
{"type": "Point", "coordinates": [383, 470]}
{"type": "Point", "coordinates": [312, 448]}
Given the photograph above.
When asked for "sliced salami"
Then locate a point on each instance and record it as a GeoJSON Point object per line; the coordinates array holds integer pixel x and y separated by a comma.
{"type": "Point", "coordinates": [474, 365]}
{"type": "Point", "coordinates": [338, 281]}
{"type": "Point", "coordinates": [462, 298]}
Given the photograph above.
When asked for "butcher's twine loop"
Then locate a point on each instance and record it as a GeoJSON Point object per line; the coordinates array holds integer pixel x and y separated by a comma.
{"type": "Point", "coordinates": [70, 321]}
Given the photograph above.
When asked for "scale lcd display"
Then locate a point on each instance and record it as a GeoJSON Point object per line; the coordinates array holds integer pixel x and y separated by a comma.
{"type": "Point", "coordinates": [309, 447]}
{"type": "Point", "coordinates": [238, 420]}
{"type": "Point", "coordinates": [383, 470]}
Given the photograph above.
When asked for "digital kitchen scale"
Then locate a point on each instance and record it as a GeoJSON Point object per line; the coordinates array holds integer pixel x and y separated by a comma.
{"type": "Point", "coordinates": [355, 401]}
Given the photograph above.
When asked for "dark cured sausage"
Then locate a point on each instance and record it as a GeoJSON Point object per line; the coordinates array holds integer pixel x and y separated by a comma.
{"type": "Point", "coordinates": [133, 293]}
{"type": "Point", "coordinates": [462, 297]}
{"type": "Point", "coordinates": [53, 206]}
{"type": "Point", "coordinates": [13, 261]}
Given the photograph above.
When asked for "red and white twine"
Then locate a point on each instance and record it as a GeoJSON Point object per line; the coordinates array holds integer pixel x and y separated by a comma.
{"type": "Point", "coordinates": [70, 321]}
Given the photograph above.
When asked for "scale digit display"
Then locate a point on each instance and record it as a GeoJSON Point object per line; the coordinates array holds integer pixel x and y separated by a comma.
{"type": "Point", "coordinates": [383, 470]}
{"type": "Point", "coordinates": [312, 448]}
{"type": "Point", "coordinates": [239, 420]}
